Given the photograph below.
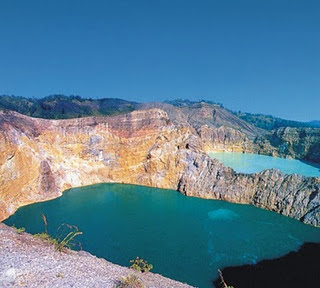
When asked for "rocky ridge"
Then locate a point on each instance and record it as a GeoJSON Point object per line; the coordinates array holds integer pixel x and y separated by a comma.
{"type": "Point", "coordinates": [217, 128]}
{"type": "Point", "coordinates": [299, 143]}
{"type": "Point", "coordinates": [41, 158]}
{"type": "Point", "coordinates": [291, 195]}
{"type": "Point", "coordinates": [221, 130]}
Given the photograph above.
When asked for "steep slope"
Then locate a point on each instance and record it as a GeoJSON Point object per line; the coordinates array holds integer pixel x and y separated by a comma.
{"type": "Point", "coordinates": [218, 128]}
{"type": "Point", "coordinates": [291, 195]}
{"type": "Point", "coordinates": [300, 143]}
{"type": "Point", "coordinates": [40, 158]}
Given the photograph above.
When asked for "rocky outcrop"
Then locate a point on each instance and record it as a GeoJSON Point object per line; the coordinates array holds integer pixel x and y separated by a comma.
{"type": "Point", "coordinates": [41, 158]}
{"type": "Point", "coordinates": [26, 261]}
{"type": "Point", "coordinates": [221, 130]}
{"type": "Point", "coordinates": [291, 195]}
{"type": "Point", "coordinates": [300, 143]}
{"type": "Point", "coordinates": [218, 128]}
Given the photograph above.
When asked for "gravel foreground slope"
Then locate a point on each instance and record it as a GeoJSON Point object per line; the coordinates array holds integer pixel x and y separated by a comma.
{"type": "Point", "coordinates": [26, 261]}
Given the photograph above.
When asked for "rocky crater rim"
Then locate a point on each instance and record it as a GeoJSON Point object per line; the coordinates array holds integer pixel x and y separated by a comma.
{"type": "Point", "coordinates": [40, 158]}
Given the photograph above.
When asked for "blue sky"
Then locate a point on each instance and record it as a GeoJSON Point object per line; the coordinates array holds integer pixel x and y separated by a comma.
{"type": "Point", "coordinates": [256, 56]}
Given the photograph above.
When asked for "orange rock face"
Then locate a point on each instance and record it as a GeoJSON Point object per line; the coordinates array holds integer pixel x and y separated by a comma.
{"type": "Point", "coordinates": [41, 158]}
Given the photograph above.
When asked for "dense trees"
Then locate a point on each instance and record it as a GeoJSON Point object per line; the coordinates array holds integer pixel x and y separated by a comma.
{"type": "Point", "coordinates": [61, 106]}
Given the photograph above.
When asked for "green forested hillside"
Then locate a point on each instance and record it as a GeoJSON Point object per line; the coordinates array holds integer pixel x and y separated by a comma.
{"type": "Point", "coordinates": [61, 106]}
{"type": "Point", "coordinates": [269, 122]}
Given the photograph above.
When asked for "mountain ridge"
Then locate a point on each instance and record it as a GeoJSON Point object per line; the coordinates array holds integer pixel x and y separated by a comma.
{"type": "Point", "coordinates": [219, 128]}
{"type": "Point", "coordinates": [34, 106]}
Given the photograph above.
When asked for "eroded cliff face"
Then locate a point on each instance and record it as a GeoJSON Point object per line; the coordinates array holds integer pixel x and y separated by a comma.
{"type": "Point", "coordinates": [218, 129]}
{"type": "Point", "coordinates": [291, 195]}
{"type": "Point", "coordinates": [300, 143]}
{"type": "Point", "coordinates": [41, 158]}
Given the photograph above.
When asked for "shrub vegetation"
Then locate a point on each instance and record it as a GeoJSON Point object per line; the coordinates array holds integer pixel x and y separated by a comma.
{"type": "Point", "coordinates": [140, 265]}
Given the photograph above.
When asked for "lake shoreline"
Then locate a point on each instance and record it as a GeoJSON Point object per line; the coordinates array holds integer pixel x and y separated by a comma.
{"type": "Point", "coordinates": [31, 262]}
{"type": "Point", "coordinates": [120, 222]}
{"type": "Point", "coordinates": [254, 163]}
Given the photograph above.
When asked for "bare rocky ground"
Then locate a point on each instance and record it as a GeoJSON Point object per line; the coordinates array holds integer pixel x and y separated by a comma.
{"type": "Point", "coordinates": [26, 261]}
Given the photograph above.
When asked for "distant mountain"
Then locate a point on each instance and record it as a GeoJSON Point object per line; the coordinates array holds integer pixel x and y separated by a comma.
{"type": "Point", "coordinates": [61, 106]}
{"type": "Point", "coordinates": [186, 102]}
{"type": "Point", "coordinates": [269, 122]}
{"type": "Point", "coordinates": [314, 124]}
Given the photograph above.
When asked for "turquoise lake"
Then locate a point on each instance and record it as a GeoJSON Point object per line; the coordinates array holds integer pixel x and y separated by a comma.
{"type": "Point", "coordinates": [185, 238]}
{"type": "Point", "coordinates": [252, 163]}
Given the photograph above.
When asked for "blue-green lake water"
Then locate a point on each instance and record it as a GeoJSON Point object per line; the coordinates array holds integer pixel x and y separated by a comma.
{"type": "Point", "coordinates": [252, 163]}
{"type": "Point", "coordinates": [185, 238]}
